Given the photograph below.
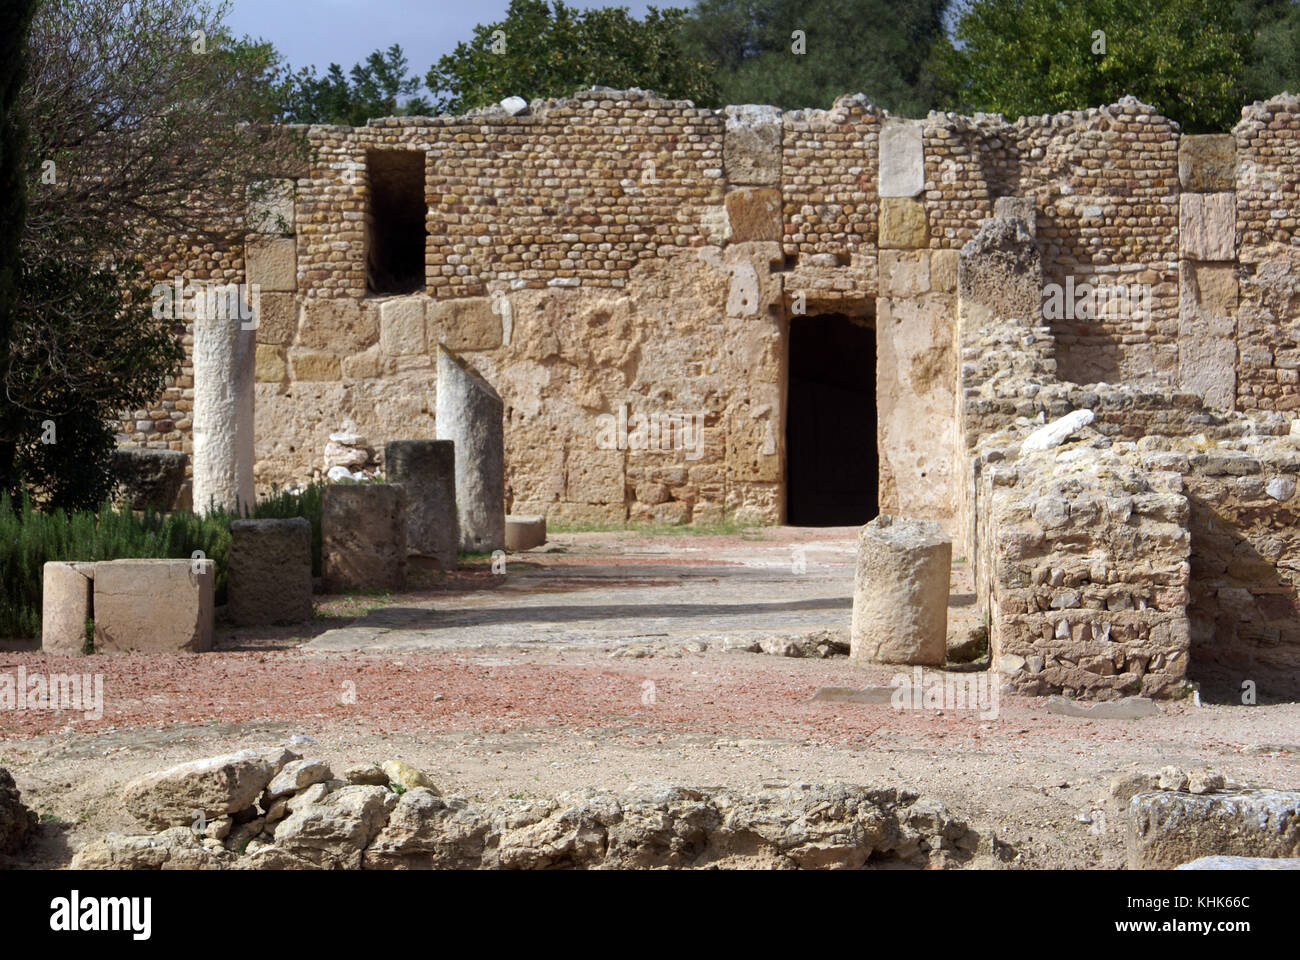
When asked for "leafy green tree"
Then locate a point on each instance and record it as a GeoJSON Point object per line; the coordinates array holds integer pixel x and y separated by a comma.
{"type": "Point", "coordinates": [544, 49]}
{"type": "Point", "coordinates": [380, 87]}
{"type": "Point", "coordinates": [881, 48]}
{"type": "Point", "coordinates": [1274, 64]}
{"type": "Point", "coordinates": [1020, 57]}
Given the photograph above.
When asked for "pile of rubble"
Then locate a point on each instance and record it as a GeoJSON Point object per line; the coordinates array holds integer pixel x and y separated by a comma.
{"type": "Point", "coordinates": [280, 811]}
{"type": "Point", "coordinates": [349, 456]}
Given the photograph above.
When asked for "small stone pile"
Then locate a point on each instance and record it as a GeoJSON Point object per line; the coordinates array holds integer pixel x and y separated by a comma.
{"type": "Point", "coordinates": [252, 811]}
{"type": "Point", "coordinates": [349, 456]}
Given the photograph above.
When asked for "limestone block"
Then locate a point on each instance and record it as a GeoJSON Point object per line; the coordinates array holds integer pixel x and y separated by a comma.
{"type": "Point", "coordinates": [902, 160]}
{"type": "Point", "coordinates": [272, 264]}
{"type": "Point", "coordinates": [426, 470]}
{"type": "Point", "coordinates": [1207, 163]}
{"type": "Point", "coordinates": [365, 365]}
{"type": "Point", "coordinates": [153, 606]}
{"type": "Point", "coordinates": [1207, 333]}
{"type": "Point", "coordinates": [1207, 226]}
{"type": "Point", "coordinates": [469, 323]}
{"type": "Point", "coordinates": [270, 365]}
{"type": "Point", "coordinates": [525, 532]}
{"type": "Point", "coordinates": [1169, 828]}
{"type": "Point", "coordinates": [269, 571]}
{"type": "Point", "coordinates": [338, 325]}
{"type": "Point", "coordinates": [904, 273]}
{"type": "Point", "coordinates": [754, 214]}
{"type": "Point", "coordinates": [943, 270]}
{"type": "Point", "coordinates": [401, 327]}
{"type": "Point", "coordinates": [270, 207]}
{"type": "Point", "coordinates": [66, 591]}
{"type": "Point", "coordinates": [469, 413]}
{"type": "Point", "coordinates": [900, 592]}
{"type": "Point", "coordinates": [363, 532]}
{"type": "Point", "coordinates": [1018, 208]}
{"type": "Point", "coordinates": [276, 316]}
{"type": "Point", "coordinates": [1000, 274]}
{"type": "Point", "coordinates": [314, 365]}
{"type": "Point", "coordinates": [594, 476]}
{"type": "Point", "coordinates": [751, 147]}
{"type": "Point", "coordinates": [150, 479]}
{"type": "Point", "coordinates": [902, 223]}
{"type": "Point", "coordinates": [222, 431]}
{"type": "Point", "coordinates": [1057, 432]}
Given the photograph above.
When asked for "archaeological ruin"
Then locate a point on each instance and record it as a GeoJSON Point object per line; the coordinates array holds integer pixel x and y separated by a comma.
{"type": "Point", "coordinates": [1071, 341]}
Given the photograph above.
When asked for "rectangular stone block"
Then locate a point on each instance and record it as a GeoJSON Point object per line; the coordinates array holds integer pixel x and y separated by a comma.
{"type": "Point", "coordinates": [272, 264]}
{"type": "Point", "coordinates": [270, 207]}
{"type": "Point", "coordinates": [754, 214]}
{"type": "Point", "coordinates": [902, 223]}
{"type": "Point", "coordinates": [66, 592]}
{"type": "Point", "coordinates": [270, 571]}
{"type": "Point", "coordinates": [470, 323]}
{"type": "Point", "coordinates": [314, 365]}
{"type": "Point", "coordinates": [338, 325]}
{"type": "Point", "coordinates": [751, 147]}
{"type": "Point", "coordinates": [276, 316]}
{"type": "Point", "coordinates": [1207, 226]}
{"type": "Point", "coordinates": [902, 159]}
{"type": "Point", "coordinates": [269, 365]}
{"type": "Point", "coordinates": [153, 606]}
{"type": "Point", "coordinates": [401, 327]}
{"type": "Point", "coordinates": [595, 476]}
{"type": "Point", "coordinates": [363, 529]}
{"type": "Point", "coordinates": [1207, 163]}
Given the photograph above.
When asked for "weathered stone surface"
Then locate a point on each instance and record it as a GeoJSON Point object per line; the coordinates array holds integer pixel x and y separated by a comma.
{"type": "Point", "coordinates": [337, 325]}
{"type": "Point", "coordinates": [177, 848]}
{"type": "Point", "coordinates": [902, 161]}
{"type": "Point", "coordinates": [469, 323]}
{"type": "Point", "coordinates": [214, 786]}
{"type": "Point", "coordinates": [314, 365]}
{"type": "Point", "coordinates": [1000, 274]}
{"type": "Point", "coordinates": [406, 775]}
{"type": "Point", "coordinates": [366, 775]}
{"type": "Point", "coordinates": [1024, 209]}
{"type": "Point", "coordinates": [269, 571]}
{"type": "Point", "coordinates": [153, 605]}
{"type": "Point", "coordinates": [751, 147]}
{"type": "Point", "coordinates": [1207, 332]}
{"type": "Point", "coordinates": [363, 528]}
{"type": "Point", "coordinates": [401, 327]}
{"type": "Point", "coordinates": [1241, 863]}
{"type": "Point", "coordinates": [271, 364]}
{"type": "Point", "coordinates": [270, 207]}
{"type": "Point", "coordinates": [334, 831]}
{"type": "Point", "coordinates": [1168, 828]}
{"type": "Point", "coordinates": [469, 413]}
{"type": "Point", "coordinates": [524, 533]}
{"type": "Point", "coordinates": [17, 823]}
{"type": "Point", "coordinates": [1057, 432]}
{"type": "Point", "coordinates": [150, 479]}
{"type": "Point", "coordinates": [65, 607]}
{"type": "Point", "coordinates": [426, 470]}
{"type": "Point", "coordinates": [754, 214]}
{"type": "Point", "coordinates": [224, 354]}
{"type": "Point", "coordinates": [902, 223]}
{"type": "Point", "coordinates": [297, 775]}
{"type": "Point", "coordinates": [1207, 163]}
{"type": "Point", "coordinates": [1207, 226]}
{"type": "Point", "coordinates": [1128, 708]}
{"type": "Point", "coordinates": [900, 592]}
{"type": "Point", "coordinates": [276, 316]}
{"type": "Point", "coordinates": [272, 264]}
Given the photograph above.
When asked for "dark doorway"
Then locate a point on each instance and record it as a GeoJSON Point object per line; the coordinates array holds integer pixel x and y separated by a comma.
{"type": "Point", "coordinates": [832, 467]}
{"type": "Point", "coordinates": [395, 221]}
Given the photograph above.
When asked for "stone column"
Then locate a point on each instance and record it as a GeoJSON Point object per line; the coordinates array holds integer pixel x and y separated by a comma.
{"type": "Point", "coordinates": [223, 412]}
{"type": "Point", "coordinates": [469, 413]}
{"type": "Point", "coordinates": [426, 470]}
{"type": "Point", "coordinates": [900, 592]}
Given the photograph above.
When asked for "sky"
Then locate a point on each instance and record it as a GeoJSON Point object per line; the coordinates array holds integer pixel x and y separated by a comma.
{"type": "Point", "coordinates": [346, 31]}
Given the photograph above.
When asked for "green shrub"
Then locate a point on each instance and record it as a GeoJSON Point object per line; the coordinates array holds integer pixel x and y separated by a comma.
{"type": "Point", "coordinates": [30, 537]}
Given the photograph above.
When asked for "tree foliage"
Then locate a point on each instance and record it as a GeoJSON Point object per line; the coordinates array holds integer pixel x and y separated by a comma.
{"type": "Point", "coordinates": [382, 86]}
{"type": "Point", "coordinates": [1186, 58]}
{"type": "Point", "coordinates": [544, 49]}
{"type": "Point", "coordinates": [881, 48]}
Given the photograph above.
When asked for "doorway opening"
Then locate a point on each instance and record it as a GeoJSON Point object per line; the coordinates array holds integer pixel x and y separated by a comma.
{"type": "Point", "coordinates": [832, 463]}
{"type": "Point", "coordinates": [395, 221]}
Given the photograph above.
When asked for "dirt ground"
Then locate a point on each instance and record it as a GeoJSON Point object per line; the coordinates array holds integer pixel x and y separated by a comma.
{"type": "Point", "coordinates": [604, 661]}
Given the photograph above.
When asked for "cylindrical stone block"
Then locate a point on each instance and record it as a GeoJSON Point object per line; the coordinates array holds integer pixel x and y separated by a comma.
{"type": "Point", "coordinates": [363, 533]}
{"type": "Point", "coordinates": [469, 413]}
{"type": "Point", "coordinates": [426, 470]}
{"type": "Point", "coordinates": [269, 567]}
{"type": "Point", "coordinates": [525, 532]}
{"type": "Point", "coordinates": [223, 412]}
{"type": "Point", "coordinates": [900, 592]}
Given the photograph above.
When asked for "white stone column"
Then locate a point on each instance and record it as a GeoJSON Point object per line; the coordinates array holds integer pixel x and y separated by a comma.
{"type": "Point", "coordinates": [223, 412]}
{"type": "Point", "coordinates": [469, 413]}
{"type": "Point", "coordinates": [900, 592]}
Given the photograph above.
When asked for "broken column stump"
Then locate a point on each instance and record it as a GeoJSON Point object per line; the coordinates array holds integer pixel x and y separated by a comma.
{"type": "Point", "coordinates": [269, 571]}
{"type": "Point", "coordinates": [363, 529]}
{"type": "Point", "coordinates": [469, 413]}
{"type": "Point", "coordinates": [525, 532]}
{"type": "Point", "coordinates": [153, 606]}
{"type": "Point", "coordinates": [426, 470]}
{"type": "Point", "coordinates": [900, 592]}
{"type": "Point", "coordinates": [66, 593]}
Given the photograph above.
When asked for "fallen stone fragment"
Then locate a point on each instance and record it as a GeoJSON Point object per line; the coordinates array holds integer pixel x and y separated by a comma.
{"type": "Point", "coordinates": [1205, 781]}
{"type": "Point", "coordinates": [1057, 432]}
{"type": "Point", "coordinates": [176, 848]}
{"type": "Point", "coordinates": [1169, 828]}
{"type": "Point", "coordinates": [298, 775]}
{"type": "Point", "coordinates": [406, 775]}
{"type": "Point", "coordinates": [1172, 778]}
{"type": "Point", "coordinates": [1241, 863]}
{"type": "Point", "coordinates": [870, 695]}
{"type": "Point", "coordinates": [213, 786]}
{"type": "Point", "coordinates": [366, 775]}
{"type": "Point", "coordinates": [1127, 708]}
